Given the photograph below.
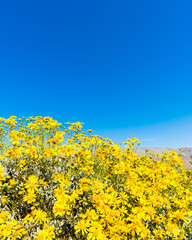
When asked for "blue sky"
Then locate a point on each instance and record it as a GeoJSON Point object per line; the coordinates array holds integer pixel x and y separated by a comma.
{"type": "Point", "coordinates": [124, 68]}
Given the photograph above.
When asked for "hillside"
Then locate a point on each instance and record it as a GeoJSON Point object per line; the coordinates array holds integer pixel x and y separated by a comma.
{"type": "Point", "coordinates": [186, 153]}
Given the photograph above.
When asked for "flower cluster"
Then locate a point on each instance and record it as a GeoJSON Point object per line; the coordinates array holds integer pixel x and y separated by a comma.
{"type": "Point", "coordinates": [57, 182]}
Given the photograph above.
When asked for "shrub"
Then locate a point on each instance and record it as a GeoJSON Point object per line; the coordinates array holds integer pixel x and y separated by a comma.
{"type": "Point", "coordinates": [59, 183]}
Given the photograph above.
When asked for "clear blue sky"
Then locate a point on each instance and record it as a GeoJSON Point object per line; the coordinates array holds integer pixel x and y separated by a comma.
{"type": "Point", "coordinates": [121, 67]}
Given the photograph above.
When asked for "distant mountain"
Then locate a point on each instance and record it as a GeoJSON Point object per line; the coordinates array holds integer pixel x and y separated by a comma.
{"type": "Point", "coordinates": [186, 153]}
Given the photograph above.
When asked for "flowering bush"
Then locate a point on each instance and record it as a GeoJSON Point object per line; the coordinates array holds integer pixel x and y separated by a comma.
{"type": "Point", "coordinates": [59, 183]}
